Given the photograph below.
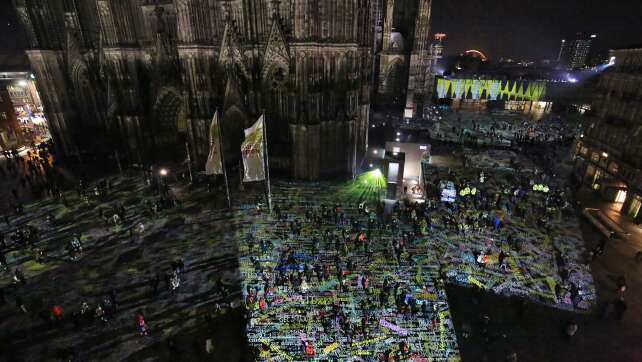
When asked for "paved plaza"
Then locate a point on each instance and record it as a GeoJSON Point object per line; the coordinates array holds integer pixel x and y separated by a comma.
{"type": "Point", "coordinates": [330, 275]}
{"type": "Point", "coordinates": [355, 300]}
{"type": "Point", "coordinates": [293, 308]}
{"type": "Point", "coordinates": [492, 129]}
{"type": "Point", "coordinates": [131, 261]}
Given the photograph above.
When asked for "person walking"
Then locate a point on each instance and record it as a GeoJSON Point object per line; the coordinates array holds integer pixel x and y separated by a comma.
{"type": "Point", "coordinates": [20, 304]}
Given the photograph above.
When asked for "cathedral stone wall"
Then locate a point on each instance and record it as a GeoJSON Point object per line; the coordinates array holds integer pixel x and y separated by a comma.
{"type": "Point", "coordinates": [144, 77]}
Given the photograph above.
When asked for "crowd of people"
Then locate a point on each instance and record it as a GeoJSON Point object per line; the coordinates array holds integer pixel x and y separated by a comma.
{"type": "Point", "coordinates": [502, 223]}
{"type": "Point", "coordinates": [315, 286]}
{"type": "Point", "coordinates": [64, 228]}
{"type": "Point", "coordinates": [504, 131]}
{"type": "Point", "coordinates": [29, 174]}
{"type": "Point", "coordinates": [323, 278]}
{"type": "Point", "coordinates": [508, 232]}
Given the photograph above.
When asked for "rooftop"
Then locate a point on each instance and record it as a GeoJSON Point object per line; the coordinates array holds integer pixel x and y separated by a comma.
{"type": "Point", "coordinates": [631, 47]}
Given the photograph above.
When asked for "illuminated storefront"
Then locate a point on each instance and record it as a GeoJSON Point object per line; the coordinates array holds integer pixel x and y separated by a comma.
{"type": "Point", "coordinates": [24, 107]}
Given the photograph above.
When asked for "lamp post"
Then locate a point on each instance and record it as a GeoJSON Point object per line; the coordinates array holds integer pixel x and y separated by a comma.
{"type": "Point", "coordinates": [163, 173]}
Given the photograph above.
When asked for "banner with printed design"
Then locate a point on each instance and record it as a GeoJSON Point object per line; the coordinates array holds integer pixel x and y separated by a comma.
{"type": "Point", "coordinates": [253, 153]}
{"type": "Point", "coordinates": [214, 165]}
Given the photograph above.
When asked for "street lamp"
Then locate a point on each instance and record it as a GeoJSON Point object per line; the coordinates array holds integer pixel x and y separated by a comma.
{"type": "Point", "coordinates": [163, 172]}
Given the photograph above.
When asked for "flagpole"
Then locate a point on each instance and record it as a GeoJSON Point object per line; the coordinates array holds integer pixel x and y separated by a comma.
{"type": "Point", "coordinates": [189, 163]}
{"type": "Point", "coordinates": [267, 162]}
{"type": "Point", "coordinates": [220, 147]}
{"type": "Point", "coordinates": [241, 188]}
{"type": "Point", "coordinates": [120, 167]}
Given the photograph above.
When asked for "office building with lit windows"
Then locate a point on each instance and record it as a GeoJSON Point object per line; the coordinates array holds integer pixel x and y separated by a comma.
{"type": "Point", "coordinates": [607, 154]}
{"type": "Point", "coordinates": [574, 53]}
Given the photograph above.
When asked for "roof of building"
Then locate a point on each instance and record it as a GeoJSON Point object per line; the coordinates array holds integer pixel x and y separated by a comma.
{"type": "Point", "coordinates": [630, 47]}
{"type": "Point", "coordinates": [14, 62]}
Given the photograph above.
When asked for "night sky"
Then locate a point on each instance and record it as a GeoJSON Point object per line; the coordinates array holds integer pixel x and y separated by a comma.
{"type": "Point", "coordinates": [533, 29]}
{"type": "Point", "coordinates": [527, 29]}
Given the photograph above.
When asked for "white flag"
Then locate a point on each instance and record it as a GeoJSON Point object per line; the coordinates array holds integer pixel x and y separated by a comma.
{"type": "Point", "coordinates": [252, 152]}
{"type": "Point", "coordinates": [214, 166]}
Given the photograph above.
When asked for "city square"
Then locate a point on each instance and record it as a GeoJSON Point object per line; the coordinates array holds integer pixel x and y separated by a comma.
{"type": "Point", "coordinates": [132, 255]}
{"type": "Point", "coordinates": [329, 180]}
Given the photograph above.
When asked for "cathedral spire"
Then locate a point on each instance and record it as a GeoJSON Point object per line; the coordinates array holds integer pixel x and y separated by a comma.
{"type": "Point", "coordinates": [227, 12]}
{"type": "Point", "coordinates": [277, 55]}
{"type": "Point", "coordinates": [275, 10]}
{"type": "Point", "coordinates": [231, 59]}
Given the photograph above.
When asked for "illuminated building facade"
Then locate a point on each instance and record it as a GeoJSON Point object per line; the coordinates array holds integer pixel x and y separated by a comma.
{"type": "Point", "coordinates": [21, 119]}
{"type": "Point", "coordinates": [529, 97]}
{"type": "Point", "coordinates": [145, 77]}
{"type": "Point", "coordinates": [574, 53]}
{"type": "Point", "coordinates": [10, 135]}
{"type": "Point", "coordinates": [490, 89]}
{"type": "Point", "coordinates": [437, 47]}
{"type": "Point", "coordinates": [607, 154]}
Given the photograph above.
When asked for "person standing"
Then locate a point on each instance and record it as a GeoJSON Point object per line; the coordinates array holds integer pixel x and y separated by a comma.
{"type": "Point", "coordinates": [571, 329]}
{"type": "Point", "coordinates": [3, 261]}
{"type": "Point", "coordinates": [100, 315]}
{"type": "Point", "coordinates": [621, 287]}
{"type": "Point", "coordinates": [619, 307]}
{"type": "Point", "coordinates": [142, 325]}
{"type": "Point", "coordinates": [175, 281]}
{"type": "Point", "coordinates": [111, 296]}
{"type": "Point", "coordinates": [153, 283]}
{"type": "Point", "coordinates": [19, 277]}
{"type": "Point", "coordinates": [56, 313]}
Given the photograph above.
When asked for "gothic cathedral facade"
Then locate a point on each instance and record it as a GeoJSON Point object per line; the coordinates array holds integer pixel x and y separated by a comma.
{"type": "Point", "coordinates": [144, 77]}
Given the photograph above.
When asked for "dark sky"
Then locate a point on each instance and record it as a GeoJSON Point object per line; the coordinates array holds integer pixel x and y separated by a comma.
{"type": "Point", "coordinates": [533, 29]}
{"type": "Point", "coordinates": [526, 29]}
{"type": "Point", "coordinates": [11, 36]}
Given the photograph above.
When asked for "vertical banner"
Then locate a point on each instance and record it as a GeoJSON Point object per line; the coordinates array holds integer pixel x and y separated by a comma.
{"type": "Point", "coordinates": [214, 165]}
{"type": "Point", "coordinates": [475, 89]}
{"type": "Point", "coordinates": [494, 89]}
{"type": "Point", "coordinates": [441, 88]}
{"type": "Point", "coordinates": [252, 152]}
